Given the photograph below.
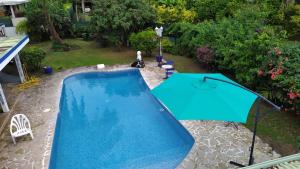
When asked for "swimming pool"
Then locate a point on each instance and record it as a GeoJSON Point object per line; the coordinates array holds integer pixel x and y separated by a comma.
{"type": "Point", "coordinates": [111, 120]}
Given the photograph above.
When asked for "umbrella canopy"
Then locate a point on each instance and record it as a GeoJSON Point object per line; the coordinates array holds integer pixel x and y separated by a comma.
{"type": "Point", "coordinates": [12, 2]}
{"type": "Point", "coordinates": [189, 97]}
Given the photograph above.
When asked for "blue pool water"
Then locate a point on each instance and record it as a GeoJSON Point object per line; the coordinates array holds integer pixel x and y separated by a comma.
{"type": "Point", "coordinates": [110, 120]}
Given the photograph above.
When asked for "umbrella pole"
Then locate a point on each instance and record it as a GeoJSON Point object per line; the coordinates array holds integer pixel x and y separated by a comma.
{"type": "Point", "coordinates": [251, 158]}
{"type": "Point", "coordinates": [256, 119]}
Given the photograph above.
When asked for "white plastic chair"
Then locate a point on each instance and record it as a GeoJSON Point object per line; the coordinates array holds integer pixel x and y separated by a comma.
{"type": "Point", "coordinates": [19, 126]}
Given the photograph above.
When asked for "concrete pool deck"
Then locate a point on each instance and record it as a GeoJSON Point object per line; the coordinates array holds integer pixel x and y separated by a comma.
{"type": "Point", "coordinates": [215, 145]}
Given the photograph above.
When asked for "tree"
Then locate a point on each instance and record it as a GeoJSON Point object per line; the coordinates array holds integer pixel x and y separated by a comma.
{"type": "Point", "coordinates": [46, 5]}
{"type": "Point", "coordinates": [46, 16]}
{"type": "Point", "coordinates": [116, 19]}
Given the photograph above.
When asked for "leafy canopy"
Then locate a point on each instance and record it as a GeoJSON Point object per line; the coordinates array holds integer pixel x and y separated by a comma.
{"type": "Point", "coordinates": [120, 17]}
{"type": "Point", "coordinates": [38, 23]}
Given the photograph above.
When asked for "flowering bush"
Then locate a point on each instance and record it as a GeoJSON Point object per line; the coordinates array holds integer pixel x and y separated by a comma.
{"type": "Point", "coordinates": [205, 56]}
{"type": "Point", "coordinates": [281, 72]}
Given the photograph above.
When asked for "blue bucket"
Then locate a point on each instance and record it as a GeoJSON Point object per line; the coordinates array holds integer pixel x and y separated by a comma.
{"type": "Point", "coordinates": [47, 70]}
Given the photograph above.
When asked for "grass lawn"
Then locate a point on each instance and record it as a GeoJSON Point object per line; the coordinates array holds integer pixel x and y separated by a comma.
{"type": "Point", "coordinates": [91, 54]}
{"type": "Point", "coordinates": [277, 128]}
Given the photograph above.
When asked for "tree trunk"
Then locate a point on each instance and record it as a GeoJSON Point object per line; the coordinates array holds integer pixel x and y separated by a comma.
{"type": "Point", "coordinates": [82, 6]}
{"type": "Point", "coordinates": [53, 32]}
{"type": "Point", "coordinates": [76, 12]}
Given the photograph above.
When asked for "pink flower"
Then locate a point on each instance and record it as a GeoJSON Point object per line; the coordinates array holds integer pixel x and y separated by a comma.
{"type": "Point", "coordinates": [292, 95]}
{"type": "Point", "coordinates": [260, 72]}
{"type": "Point", "coordinates": [279, 71]}
{"type": "Point", "coordinates": [272, 71]}
{"type": "Point", "coordinates": [273, 76]}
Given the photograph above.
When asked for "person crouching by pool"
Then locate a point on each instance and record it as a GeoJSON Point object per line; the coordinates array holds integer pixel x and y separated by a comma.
{"type": "Point", "coordinates": [139, 63]}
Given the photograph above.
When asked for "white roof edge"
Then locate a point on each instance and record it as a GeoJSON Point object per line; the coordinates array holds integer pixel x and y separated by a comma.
{"type": "Point", "coordinates": [12, 2]}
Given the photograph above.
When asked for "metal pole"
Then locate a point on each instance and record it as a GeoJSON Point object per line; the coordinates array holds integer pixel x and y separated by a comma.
{"type": "Point", "coordinates": [256, 119]}
{"type": "Point", "coordinates": [237, 85]}
{"type": "Point", "coordinates": [160, 52]}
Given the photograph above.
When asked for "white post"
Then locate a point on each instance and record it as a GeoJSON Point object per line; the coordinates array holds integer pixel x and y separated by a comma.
{"type": "Point", "coordinates": [20, 69]}
{"type": "Point", "coordinates": [12, 11]}
{"type": "Point", "coordinates": [159, 34]}
{"type": "Point", "coordinates": [3, 101]}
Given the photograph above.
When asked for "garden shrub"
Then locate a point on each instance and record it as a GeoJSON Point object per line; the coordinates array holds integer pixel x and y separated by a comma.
{"type": "Point", "coordinates": [292, 19]}
{"type": "Point", "coordinates": [281, 73]}
{"type": "Point", "coordinates": [82, 30]}
{"type": "Point", "coordinates": [167, 45]}
{"type": "Point", "coordinates": [32, 57]}
{"type": "Point", "coordinates": [22, 27]}
{"type": "Point", "coordinates": [190, 36]}
{"type": "Point", "coordinates": [205, 56]}
{"type": "Point", "coordinates": [145, 41]}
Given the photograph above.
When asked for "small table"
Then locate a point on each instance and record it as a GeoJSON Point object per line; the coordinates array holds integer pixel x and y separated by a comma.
{"type": "Point", "coordinates": [169, 70]}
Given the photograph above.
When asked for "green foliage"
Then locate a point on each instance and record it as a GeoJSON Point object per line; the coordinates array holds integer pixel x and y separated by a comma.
{"type": "Point", "coordinates": [190, 36]}
{"type": "Point", "coordinates": [22, 27]}
{"type": "Point", "coordinates": [291, 20]}
{"type": "Point", "coordinates": [167, 45]}
{"type": "Point", "coordinates": [213, 9]}
{"type": "Point", "coordinates": [82, 29]}
{"type": "Point", "coordinates": [171, 2]}
{"type": "Point", "coordinates": [145, 41]}
{"type": "Point", "coordinates": [240, 43]}
{"type": "Point", "coordinates": [119, 18]}
{"type": "Point", "coordinates": [245, 46]}
{"type": "Point", "coordinates": [167, 15]}
{"type": "Point", "coordinates": [32, 57]}
{"type": "Point", "coordinates": [37, 22]}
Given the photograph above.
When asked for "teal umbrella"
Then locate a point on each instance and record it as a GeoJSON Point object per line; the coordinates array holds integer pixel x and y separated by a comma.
{"type": "Point", "coordinates": [190, 97]}
{"type": "Point", "coordinates": [210, 97]}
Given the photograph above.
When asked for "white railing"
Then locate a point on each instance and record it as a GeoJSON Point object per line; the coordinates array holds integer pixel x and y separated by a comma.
{"type": "Point", "coordinates": [288, 162]}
